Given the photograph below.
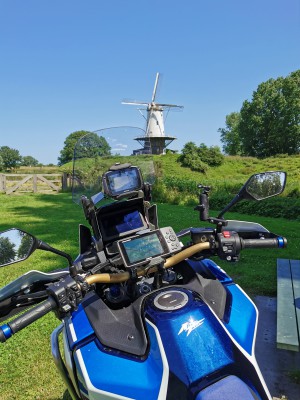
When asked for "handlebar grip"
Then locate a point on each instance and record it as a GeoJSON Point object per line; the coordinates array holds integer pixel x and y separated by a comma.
{"type": "Point", "coordinates": [12, 327]}
{"type": "Point", "coordinates": [279, 242]}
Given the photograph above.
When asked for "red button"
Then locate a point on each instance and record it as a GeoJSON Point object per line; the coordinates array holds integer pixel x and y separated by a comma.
{"type": "Point", "coordinates": [226, 234]}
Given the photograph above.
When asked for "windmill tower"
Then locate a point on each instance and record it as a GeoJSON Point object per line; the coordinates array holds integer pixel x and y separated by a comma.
{"type": "Point", "coordinates": [155, 141]}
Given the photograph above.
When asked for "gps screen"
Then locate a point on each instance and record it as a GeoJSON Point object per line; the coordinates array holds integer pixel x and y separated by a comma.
{"type": "Point", "coordinates": [141, 248]}
{"type": "Point", "coordinates": [123, 180]}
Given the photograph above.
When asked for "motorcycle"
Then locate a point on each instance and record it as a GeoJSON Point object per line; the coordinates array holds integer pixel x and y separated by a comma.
{"type": "Point", "coordinates": [145, 313]}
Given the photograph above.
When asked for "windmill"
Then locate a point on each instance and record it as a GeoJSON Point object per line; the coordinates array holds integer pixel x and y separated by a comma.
{"type": "Point", "coordinates": [155, 141]}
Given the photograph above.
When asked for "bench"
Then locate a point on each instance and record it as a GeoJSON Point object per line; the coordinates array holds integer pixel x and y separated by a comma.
{"type": "Point", "coordinates": [288, 304]}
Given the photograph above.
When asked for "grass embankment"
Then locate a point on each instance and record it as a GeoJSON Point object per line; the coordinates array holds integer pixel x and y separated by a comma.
{"type": "Point", "coordinates": [235, 169]}
{"type": "Point", "coordinates": [27, 371]}
{"type": "Point", "coordinates": [231, 174]}
{"type": "Point", "coordinates": [179, 185]}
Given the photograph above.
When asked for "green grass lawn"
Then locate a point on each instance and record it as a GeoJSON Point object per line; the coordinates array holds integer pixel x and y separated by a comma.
{"type": "Point", "coordinates": [26, 368]}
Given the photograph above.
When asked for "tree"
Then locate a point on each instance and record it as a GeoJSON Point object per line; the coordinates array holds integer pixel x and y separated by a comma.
{"type": "Point", "coordinates": [25, 246]}
{"type": "Point", "coordinates": [29, 161]}
{"type": "Point", "coordinates": [269, 124]}
{"type": "Point", "coordinates": [92, 146]}
{"type": "Point", "coordinates": [66, 154]}
{"type": "Point", "coordinates": [230, 135]}
{"type": "Point", "coordinates": [7, 252]}
{"type": "Point", "coordinates": [11, 158]}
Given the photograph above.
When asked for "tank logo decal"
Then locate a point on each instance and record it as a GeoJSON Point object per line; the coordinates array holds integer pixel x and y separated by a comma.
{"type": "Point", "coordinates": [189, 326]}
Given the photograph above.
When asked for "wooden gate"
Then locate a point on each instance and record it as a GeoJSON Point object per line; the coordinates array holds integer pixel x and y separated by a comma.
{"type": "Point", "coordinates": [36, 183]}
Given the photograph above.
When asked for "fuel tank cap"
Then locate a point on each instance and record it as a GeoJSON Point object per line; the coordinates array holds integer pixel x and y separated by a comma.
{"type": "Point", "coordinates": [171, 300]}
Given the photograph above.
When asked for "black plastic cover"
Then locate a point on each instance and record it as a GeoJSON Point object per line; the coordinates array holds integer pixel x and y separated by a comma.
{"type": "Point", "coordinates": [119, 329]}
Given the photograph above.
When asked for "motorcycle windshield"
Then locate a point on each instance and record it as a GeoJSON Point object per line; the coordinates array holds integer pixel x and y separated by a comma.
{"type": "Point", "coordinates": [97, 151]}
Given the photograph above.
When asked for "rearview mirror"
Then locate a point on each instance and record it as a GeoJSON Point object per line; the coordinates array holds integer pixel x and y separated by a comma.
{"type": "Point", "coordinates": [267, 184]}
{"type": "Point", "coordinates": [15, 246]}
{"type": "Point", "coordinates": [259, 187]}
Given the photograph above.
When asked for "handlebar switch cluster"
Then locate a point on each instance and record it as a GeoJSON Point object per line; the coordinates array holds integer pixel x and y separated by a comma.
{"type": "Point", "coordinates": [229, 245]}
{"type": "Point", "coordinates": [67, 295]}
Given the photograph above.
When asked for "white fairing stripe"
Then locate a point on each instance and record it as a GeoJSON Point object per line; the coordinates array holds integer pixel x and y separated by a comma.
{"type": "Point", "coordinates": [252, 358]}
{"type": "Point", "coordinates": [72, 330]}
{"type": "Point", "coordinates": [165, 377]}
{"type": "Point", "coordinates": [256, 320]}
{"type": "Point", "coordinates": [95, 393]}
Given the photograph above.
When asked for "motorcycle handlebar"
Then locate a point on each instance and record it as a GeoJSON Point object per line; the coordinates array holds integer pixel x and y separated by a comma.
{"type": "Point", "coordinates": [9, 329]}
{"type": "Point", "coordinates": [170, 262]}
{"type": "Point", "coordinates": [278, 242]}
{"type": "Point", "coordinates": [12, 327]}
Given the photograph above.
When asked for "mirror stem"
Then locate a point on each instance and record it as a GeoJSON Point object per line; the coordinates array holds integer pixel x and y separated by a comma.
{"type": "Point", "coordinates": [44, 246]}
{"type": "Point", "coordinates": [232, 203]}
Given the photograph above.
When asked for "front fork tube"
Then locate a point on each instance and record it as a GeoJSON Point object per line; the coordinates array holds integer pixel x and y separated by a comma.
{"type": "Point", "coordinates": [58, 360]}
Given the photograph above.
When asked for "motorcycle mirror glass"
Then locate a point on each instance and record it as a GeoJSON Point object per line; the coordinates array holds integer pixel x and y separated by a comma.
{"type": "Point", "coordinates": [264, 185]}
{"type": "Point", "coordinates": [15, 246]}
{"type": "Point", "coordinates": [259, 187]}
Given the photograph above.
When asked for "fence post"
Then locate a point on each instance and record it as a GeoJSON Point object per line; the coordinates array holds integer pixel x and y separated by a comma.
{"type": "Point", "coordinates": [34, 183]}
{"type": "Point", "coordinates": [64, 181]}
{"type": "Point", "coordinates": [2, 183]}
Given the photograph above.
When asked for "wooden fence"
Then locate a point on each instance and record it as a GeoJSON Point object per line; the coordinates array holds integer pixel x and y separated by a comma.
{"type": "Point", "coordinates": [36, 183]}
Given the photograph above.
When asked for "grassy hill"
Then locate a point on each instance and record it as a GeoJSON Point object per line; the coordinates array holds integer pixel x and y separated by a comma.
{"type": "Point", "coordinates": [234, 170]}
{"type": "Point", "coordinates": [179, 185]}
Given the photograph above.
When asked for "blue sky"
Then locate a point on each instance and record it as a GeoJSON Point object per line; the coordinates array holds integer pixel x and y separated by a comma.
{"type": "Point", "coordinates": [66, 65]}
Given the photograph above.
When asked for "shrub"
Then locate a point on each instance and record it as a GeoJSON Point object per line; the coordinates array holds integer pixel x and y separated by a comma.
{"type": "Point", "coordinates": [200, 158]}
{"type": "Point", "coordinates": [182, 191]}
{"type": "Point", "coordinates": [210, 155]}
{"type": "Point", "coordinates": [193, 162]}
{"type": "Point", "coordinates": [294, 193]}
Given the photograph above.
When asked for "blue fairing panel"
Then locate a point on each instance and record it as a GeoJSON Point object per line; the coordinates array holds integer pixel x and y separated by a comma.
{"type": "Point", "coordinates": [243, 314]}
{"type": "Point", "coordinates": [111, 374]}
{"type": "Point", "coordinates": [219, 273]}
{"type": "Point", "coordinates": [243, 317]}
{"type": "Point", "coordinates": [78, 327]}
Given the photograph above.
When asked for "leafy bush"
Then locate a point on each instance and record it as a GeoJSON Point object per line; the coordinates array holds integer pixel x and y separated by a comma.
{"type": "Point", "coordinates": [193, 162]}
{"type": "Point", "coordinates": [210, 155]}
{"type": "Point", "coordinates": [275, 207]}
{"type": "Point", "coordinates": [200, 158]}
{"type": "Point", "coordinates": [294, 193]}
